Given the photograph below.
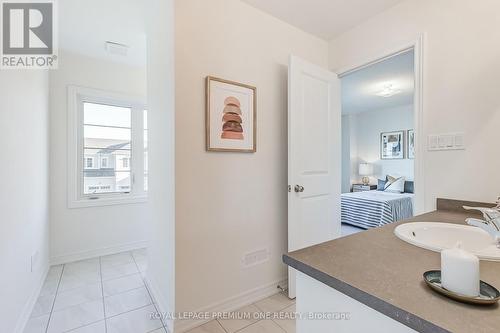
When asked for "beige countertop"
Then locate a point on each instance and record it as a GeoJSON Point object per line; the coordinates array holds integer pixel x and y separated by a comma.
{"type": "Point", "coordinates": [385, 273]}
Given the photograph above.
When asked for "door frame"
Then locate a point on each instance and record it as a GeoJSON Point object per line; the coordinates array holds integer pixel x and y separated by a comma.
{"type": "Point", "coordinates": [417, 45]}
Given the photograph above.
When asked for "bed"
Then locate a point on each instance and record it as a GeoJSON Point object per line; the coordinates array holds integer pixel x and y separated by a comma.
{"type": "Point", "coordinates": [373, 209]}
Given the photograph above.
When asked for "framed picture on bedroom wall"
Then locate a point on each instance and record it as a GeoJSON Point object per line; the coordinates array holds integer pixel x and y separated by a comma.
{"type": "Point", "coordinates": [411, 144]}
{"type": "Point", "coordinates": [392, 145]}
{"type": "Point", "coordinates": [231, 113]}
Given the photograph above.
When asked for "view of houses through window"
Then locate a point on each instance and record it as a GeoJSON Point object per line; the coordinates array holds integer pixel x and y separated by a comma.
{"type": "Point", "coordinates": [107, 148]}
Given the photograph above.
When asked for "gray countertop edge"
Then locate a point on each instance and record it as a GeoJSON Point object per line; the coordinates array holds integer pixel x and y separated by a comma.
{"type": "Point", "coordinates": [391, 311]}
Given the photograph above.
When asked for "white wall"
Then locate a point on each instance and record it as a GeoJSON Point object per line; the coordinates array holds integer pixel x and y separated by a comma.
{"type": "Point", "coordinates": [161, 121]}
{"type": "Point", "coordinates": [88, 232]}
{"type": "Point", "coordinates": [366, 127]}
{"type": "Point", "coordinates": [461, 71]}
{"type": "Point", "coordinates": [24, 226]}
{"type": "Point", "coordinates": [228, 204]}
{"type": "Point", "coordinates": [349, 152]}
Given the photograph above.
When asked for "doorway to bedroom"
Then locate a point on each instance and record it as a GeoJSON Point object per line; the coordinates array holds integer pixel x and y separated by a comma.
{"type": "Point", "coordinates": [378, 143]}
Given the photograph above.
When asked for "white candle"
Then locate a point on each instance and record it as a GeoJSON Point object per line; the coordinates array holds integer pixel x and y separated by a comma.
{"type": "Point", "coordinates": [460, 271]}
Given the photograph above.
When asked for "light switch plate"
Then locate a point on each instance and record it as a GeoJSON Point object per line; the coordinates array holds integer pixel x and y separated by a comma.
{"type": "Point", "coordinates": [459, 140]}
{"type": "Point", "coordinates": [433, 142]}
{"type": "Point", "coordinates": [448, 141]}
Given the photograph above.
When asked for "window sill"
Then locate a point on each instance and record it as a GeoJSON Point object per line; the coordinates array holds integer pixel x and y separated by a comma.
{"type": "Point", "coordinates": [108, 201]}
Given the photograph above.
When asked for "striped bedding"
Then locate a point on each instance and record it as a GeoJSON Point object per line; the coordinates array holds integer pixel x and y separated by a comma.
{"type": "Point", "coordinates": [372, 209]}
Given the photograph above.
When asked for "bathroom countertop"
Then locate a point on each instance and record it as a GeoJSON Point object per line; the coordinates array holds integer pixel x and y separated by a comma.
{"type": "Point", "coordinates": [385, 273]}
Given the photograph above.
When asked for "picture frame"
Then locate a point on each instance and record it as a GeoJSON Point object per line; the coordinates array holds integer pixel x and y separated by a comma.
{"type": "Point", "coordinates": [410, 144]}
{"type": "Point", "coordinates": [231, 116]}
{"type": "Point", "coordinates": [392, 145]}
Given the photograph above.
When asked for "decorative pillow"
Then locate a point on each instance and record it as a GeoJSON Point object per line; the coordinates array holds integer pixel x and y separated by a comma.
{"type": "Point", "coordinates": [395, 185]}
{"type": "Point", "coordinates": [389, 180]}
{"type": "Point", "coordinates": [381, 185]}
{"type": "Point", "coordinates": [409, 187]}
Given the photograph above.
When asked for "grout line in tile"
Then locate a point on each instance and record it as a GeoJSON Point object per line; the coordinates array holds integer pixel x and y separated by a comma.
{"type": "Point", "coordinates": [255, 322]}
{"type": "Point", "coordinates": [282, 328]}
{"type": "Point", "coordinates": [92, 323]}
{"type": "Point", "coordinates": [278, 310]}
{"type": "Point", "coordinates": [157, 329]}
{"type": "Point", "coordinates": [149, 293]}
{"type": "Point", "coordinates": [217, 320]}
{"type": "Point", "coordinates": [80, 286]}
{"type": "Point", "coordinates": [102, 294]}
{"type": "Point", "coordinates": [55, 298]}
{"type": "Point", "coordinates": [119, 314]}
{"type": "Point", "coordinates": [126, 291]}
{"type": "Point", "coordinates": [258, 321]}
{"type": "Point", "coordinates": [255, 304]}
{"type": "Point", "coordinates": [121, 276]}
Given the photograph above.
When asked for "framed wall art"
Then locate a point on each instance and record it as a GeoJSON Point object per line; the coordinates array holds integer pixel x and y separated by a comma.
{"type": "Point", "coordinates": [411, 144]}
{"type": "Point", "coordinates": [392, 145]}
{"type": "Point", "coordinates": [231, 114]}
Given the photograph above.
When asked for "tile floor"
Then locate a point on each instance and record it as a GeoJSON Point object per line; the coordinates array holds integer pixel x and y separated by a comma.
{"type": "Point", "coordinates": [278, 303]}
{"type": "Point", "coordinates": [108, 295]}
{"type": "Point", "coordinates": [100, 295]}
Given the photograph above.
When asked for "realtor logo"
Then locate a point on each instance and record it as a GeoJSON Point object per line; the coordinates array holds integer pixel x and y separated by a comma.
{"type": "Point", "coordinates": [28, 34]}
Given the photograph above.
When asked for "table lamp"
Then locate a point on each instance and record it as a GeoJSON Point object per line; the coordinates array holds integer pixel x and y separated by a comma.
{"type": "Point", "coordinates": [365, 170]}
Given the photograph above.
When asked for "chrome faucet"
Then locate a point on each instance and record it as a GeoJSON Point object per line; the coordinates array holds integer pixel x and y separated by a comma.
{"type": "Point", "coordinates": [491, 222]}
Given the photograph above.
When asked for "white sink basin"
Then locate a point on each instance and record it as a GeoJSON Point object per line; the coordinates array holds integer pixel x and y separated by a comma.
{"type": "Point", "coordinates": [438, 236]}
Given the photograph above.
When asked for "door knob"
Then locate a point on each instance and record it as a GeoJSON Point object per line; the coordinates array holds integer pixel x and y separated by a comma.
{"type": "Point", "coordinates": [299, 189]}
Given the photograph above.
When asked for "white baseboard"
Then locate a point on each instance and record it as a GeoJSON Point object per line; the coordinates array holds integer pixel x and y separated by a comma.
{"type": "Point", "coordinates": [104, 251]}
{"type": "Point", "coordinates": [28, 307]}
{"type": "Point", "coordinates": [159, 299]}
{"type": "Point", "coordinates": [232, 304]}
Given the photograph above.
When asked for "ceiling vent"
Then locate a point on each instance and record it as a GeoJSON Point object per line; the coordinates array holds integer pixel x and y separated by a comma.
{"type": "Point", "coordinates": [116, 48]}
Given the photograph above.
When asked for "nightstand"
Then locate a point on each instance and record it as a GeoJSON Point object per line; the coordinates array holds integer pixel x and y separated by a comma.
{"type": "Point", "coordinates": [362, 187]}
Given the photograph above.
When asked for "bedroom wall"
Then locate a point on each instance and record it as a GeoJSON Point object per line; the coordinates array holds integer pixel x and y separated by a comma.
{"type": "Point", "coordinates": [349, 152]}
{"type": "Point", "coordinates": [461, 71]}
{"type": "Point", "coordinates": [366, 128]}
{"type": "Point", "coordinates": [240, 198]}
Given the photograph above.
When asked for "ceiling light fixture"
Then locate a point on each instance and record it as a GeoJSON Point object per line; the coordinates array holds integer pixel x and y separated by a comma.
{"type": "Point", "coordinates": [388, 91]}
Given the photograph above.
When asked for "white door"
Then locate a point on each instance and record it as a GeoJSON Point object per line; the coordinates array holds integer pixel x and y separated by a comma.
{"type": "Point", "coordinates": [314, 157]}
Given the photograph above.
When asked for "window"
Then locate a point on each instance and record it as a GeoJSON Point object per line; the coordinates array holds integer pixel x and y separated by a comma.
{"type": "Point", "coordinates": [104, 163]}
{"type": "Point", "coordinates": [107, 133]}
{"type": "Point", "coordinates": [89, 163]}
{"type": "Point", "coordinates": [125, 163]}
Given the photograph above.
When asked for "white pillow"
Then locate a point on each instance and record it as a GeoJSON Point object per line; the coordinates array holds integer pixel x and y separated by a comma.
{"type": "Point", "coordinates": [395, 185]}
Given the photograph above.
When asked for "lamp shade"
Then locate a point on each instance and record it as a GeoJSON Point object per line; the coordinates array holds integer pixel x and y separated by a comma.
{"type": "Point", "coordinates": [365, 169]}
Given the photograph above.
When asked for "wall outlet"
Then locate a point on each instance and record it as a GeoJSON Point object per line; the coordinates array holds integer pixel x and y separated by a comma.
{"type": "Point", "coordinates": [35, 258]}
{"type": "Point", "coordinates": [255, 258]}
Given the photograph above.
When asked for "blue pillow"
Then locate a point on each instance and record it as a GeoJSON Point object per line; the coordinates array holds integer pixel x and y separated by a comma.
{"type": "Point", "coordinates": [409, 187]}
{"type": "Point", "coordinates": [381, 185]}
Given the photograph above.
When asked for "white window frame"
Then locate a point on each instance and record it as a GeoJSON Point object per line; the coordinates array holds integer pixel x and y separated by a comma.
{"type": "Point", "coordinates": [76, 198]}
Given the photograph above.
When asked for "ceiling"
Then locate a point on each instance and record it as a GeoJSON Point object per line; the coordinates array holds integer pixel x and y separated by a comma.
{"type": "Point", "coordinates": [324, 18]}
{"type": "Point", "coordinates": [84, 27]}
{"type": "Point", "coordinates": [360, 88]}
